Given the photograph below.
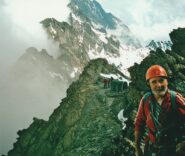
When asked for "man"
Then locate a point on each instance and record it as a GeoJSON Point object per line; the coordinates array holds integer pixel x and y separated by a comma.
{"type": "Point", "coordinates": [159, 113]}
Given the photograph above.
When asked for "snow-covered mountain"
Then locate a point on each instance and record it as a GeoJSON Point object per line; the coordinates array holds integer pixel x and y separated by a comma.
{"type": "Point", "coordinates": [89, 33]}
{"type": "Point", "coordinates": [92, 11]}
{"type": "Point", "coordinates": [163, 45]}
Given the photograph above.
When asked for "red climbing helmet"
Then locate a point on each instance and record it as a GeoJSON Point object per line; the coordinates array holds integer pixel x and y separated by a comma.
{"type": "Point", "coordinates": [154, 71]}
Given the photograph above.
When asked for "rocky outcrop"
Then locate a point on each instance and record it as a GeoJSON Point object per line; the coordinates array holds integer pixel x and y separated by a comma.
{"type": "Point", "coordinates": [77, 39]}
{"type": "Point", "coordinates": [177, 36]}
{"type": "Point", "coordinates": [172, 60]}
{"type": "Point", "coordinates": [40, 68]}
{"type": "Point", "coordinates": [88, 28]}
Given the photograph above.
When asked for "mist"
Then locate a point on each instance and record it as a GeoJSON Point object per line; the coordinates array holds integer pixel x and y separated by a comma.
{"type": "Point", "coordinates": [20, 26]}
{"type": "Point", "coordinates": [21, 100]}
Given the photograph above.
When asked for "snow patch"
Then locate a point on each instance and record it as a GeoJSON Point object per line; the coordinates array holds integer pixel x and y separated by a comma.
{"type": "Point", "coordinates": [122, 118]}
{"type": "Point", "coordinates": [97, 26]}
{"type": "Point", "coordinates": [129, 55]}
{"type": "Point", "coordinates": [101, 35]}
{"type": "Point", "coordinates": [56, 75]}
{"type": "Point", "coordinates": [52, 30]}
{"type": "Point", "coordinates": [74, 72]}
{"type": "Point", "coordinates": [115, 77]}
{"type": "Point", "coordinates": [80, 38]}
{"type": "Point", "coordinates": [76, 18]}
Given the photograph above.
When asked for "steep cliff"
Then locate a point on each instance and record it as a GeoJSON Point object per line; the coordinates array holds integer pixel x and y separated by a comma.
{"type": "Point", "coordinates": [85, 123]}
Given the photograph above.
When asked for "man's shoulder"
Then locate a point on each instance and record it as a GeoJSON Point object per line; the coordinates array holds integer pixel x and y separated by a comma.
{"type": "Point", "coordinates": [146, 96]}
{"type": "Point", "coordinates": [179, 97]}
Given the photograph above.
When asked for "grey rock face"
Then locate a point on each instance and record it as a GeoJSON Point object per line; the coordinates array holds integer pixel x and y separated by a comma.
{"type": "Point", "coordinates": [163, 45]}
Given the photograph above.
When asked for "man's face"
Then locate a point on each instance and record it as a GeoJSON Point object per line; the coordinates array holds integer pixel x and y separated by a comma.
{"type": "Point", "coordinates": [158, 85]}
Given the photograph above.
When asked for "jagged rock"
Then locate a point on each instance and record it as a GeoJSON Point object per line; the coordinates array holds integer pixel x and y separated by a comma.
{"type": "Point", "coordinates": [181, 149]}
{"type": "Point", "coordinates": [172, 64]}
{"type": "Point", "coordinates": [79, 124]}
{"type": "Point", "coordinates": [94, 11]}
{"type": "Point", "coordinates": [163, 45]}
{"type": "Point", "coordinates": [178, 38]}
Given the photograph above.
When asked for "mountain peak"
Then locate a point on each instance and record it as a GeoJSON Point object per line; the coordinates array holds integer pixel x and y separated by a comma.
{"type": "Point", "coordinates": [94, 11]}
{"type": "Point", "coordinates": [163, 45]}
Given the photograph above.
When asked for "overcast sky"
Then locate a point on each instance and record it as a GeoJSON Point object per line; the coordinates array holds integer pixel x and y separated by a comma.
{"type": "Point", "coordinates": [148, 19]}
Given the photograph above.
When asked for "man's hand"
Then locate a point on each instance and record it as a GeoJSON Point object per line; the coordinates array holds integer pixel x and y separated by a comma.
{"type": "Point", "coordinates": [139, 152]}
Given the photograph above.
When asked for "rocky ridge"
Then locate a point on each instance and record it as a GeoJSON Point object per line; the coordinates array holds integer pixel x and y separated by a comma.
{"type": "Point", "coordinates": [86, 121]}
{"type": "Point", "coordinates": [78, 125]}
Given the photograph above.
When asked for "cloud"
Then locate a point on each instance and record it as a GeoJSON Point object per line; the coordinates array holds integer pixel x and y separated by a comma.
{"type": "Point", "coordinates": [157, 31]}
{"type": "Point", "coordinates": [156, 19]}
{"type": "Point", "coordinates": [26, 13]}
{"type": "Point", "coordinates": [149, 19]}
{"type": "Point", "coordinates": [20, 27]}
{"type": "Point", "coordinates": [24, 99]}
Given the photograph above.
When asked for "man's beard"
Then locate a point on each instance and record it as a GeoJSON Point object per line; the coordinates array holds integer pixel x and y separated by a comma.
{"type": "Point", "coordinates": [160, 92]}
